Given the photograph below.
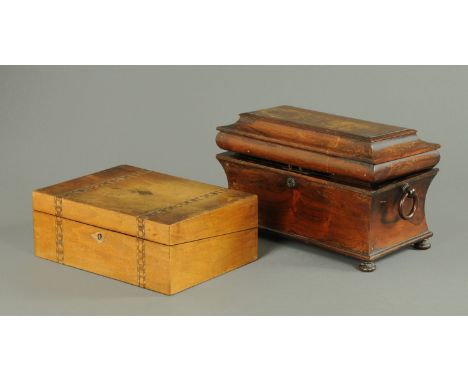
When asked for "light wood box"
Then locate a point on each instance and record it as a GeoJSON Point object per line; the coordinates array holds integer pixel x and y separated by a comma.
{"type": "Point", "coordinates": [145, 228]}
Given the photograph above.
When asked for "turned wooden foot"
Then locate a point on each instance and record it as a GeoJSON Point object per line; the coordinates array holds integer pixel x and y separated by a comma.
{"type": "Point", "coordinates": [367, 266]}
{"type": "Point", "coordinates": [423, 244]}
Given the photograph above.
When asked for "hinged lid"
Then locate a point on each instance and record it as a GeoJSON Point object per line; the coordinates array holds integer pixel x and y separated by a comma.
{"type": "Point", "coordinates": [150, 205]}
{"type": "Point", "coordinates": [351, 148]}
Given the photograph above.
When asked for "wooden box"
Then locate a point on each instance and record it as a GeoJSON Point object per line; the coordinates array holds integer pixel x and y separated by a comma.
{"type": "Point", "coordinates": [148, 229]}
{"type": "Point", "coordinates": [351, 186]}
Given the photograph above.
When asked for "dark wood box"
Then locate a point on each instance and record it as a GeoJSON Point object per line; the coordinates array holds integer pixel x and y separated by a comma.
{"type": "Point", "coordinates": [351, 186]}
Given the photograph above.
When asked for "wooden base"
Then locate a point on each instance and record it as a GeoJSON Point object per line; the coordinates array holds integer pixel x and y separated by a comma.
{"type": "Point", "coordinates": [365, 223]}
{"type": "Point", "coordinates": [368, 264]}
{"type": "Point", "coordinates": [356, 255]}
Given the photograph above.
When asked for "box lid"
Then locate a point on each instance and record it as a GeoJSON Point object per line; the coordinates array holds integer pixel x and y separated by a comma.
{"type": "Point", "coordinates": [366, 151]}
{"type": "Point", "coordinates": [142, 203]}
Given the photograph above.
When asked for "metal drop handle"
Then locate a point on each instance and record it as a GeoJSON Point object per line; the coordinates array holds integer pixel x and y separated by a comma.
{"type": "Point", "coordinates": [408, 193]}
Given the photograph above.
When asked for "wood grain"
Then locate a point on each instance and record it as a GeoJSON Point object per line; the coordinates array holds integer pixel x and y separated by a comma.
{"type": "Point", "coordinates": [172, 200]}
{"type": "Point", "coordinates": [145, 228]}
{"type": "Point", "coordinates": [169, 269]}
{"type": "Point", "coordinates": [354, 149]}
{"type": "Point", "coordinates": [197, 261]}
{"type": "Point", "coordinates": [356, 221]}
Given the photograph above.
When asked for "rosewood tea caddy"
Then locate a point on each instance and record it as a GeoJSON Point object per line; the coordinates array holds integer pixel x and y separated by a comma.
{"type": "Point", "coordinates": [350, 186]}
{"type": "Point", "coordinates": [148, 229]}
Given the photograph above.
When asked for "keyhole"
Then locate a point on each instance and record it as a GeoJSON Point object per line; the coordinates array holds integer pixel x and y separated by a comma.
{"type": "Point", "coordinates": [291, 182]}
{"type": "Point", "coordinates": [98, 237]}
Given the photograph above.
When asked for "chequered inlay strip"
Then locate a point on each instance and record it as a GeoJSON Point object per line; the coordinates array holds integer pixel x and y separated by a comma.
{"type": "Point", "coordinates": [141, 257]}
{"type": "Point", "coordinates": [106, 182]}
{"type": "Point", "coordinates": [140, 220]}
{"type": "Point", "coordinates": [58, 206]}
{"type": "Point", "coordinates": [58, 229]}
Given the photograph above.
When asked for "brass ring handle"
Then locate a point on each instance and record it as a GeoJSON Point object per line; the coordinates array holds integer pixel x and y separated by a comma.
{"type": "Point", "coordinates": [408, 193]}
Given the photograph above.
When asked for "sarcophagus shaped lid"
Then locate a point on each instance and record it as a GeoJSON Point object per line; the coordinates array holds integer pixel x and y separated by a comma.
{"type": "Point", "coordinates": [365, 151]}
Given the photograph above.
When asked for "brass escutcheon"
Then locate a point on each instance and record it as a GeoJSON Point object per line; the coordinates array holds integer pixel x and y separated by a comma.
{"type": "Point", "coordinates": [291, 182]}
{"type": "Point", "coordinates": [98, 237]}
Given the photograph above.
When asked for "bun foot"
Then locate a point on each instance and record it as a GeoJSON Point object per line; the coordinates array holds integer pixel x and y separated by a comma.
{"type": "Point", "coordinates": [367, 266]}
{"type": "Point", "coordinates": [423, 244]}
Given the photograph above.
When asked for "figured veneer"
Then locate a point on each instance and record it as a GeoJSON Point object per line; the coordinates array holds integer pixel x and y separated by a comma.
{"type": "Point", "coordinates": [351, 186]}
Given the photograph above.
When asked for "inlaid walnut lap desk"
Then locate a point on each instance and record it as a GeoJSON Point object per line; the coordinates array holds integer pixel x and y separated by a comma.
{"type": "Point", "coordinates": [351, 186]}
{"type": "Point", "coordinates": [145, 228]}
